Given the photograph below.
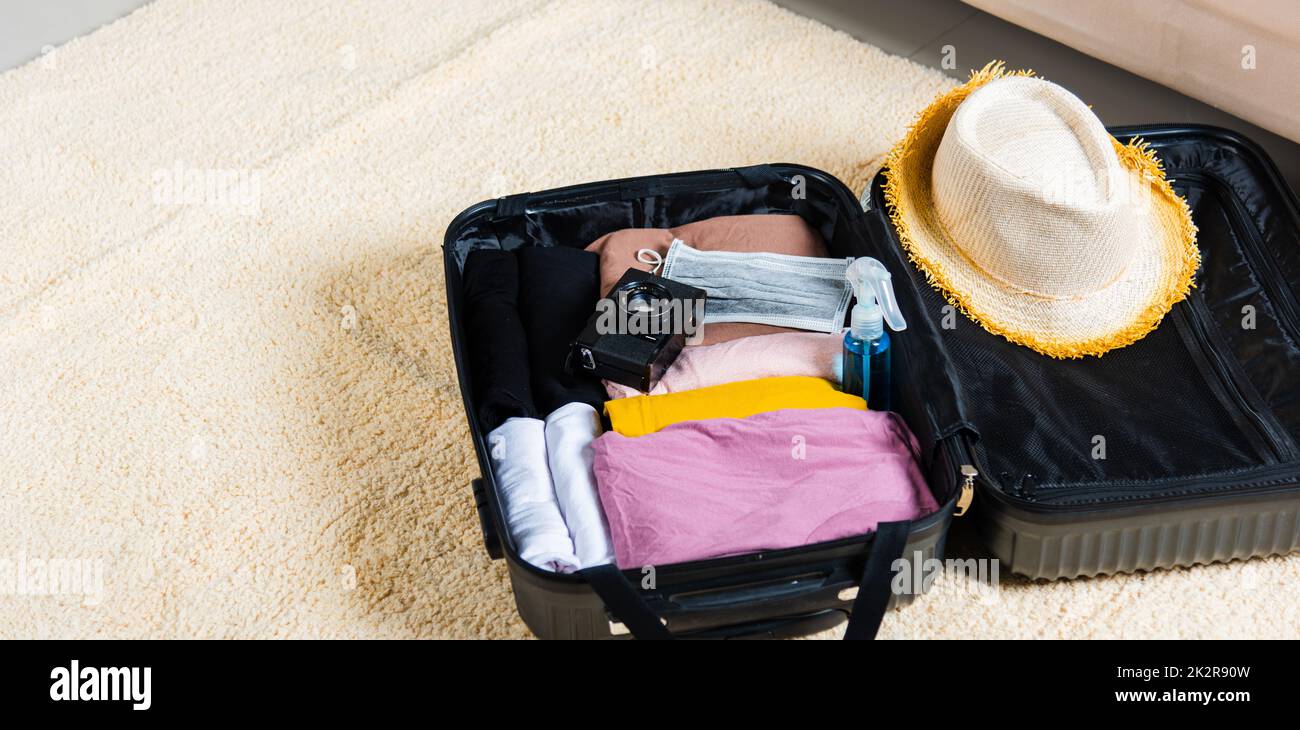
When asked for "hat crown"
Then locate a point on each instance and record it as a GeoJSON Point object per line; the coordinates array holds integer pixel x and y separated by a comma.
{"type": "Point", "coordinates": [1029, 187]}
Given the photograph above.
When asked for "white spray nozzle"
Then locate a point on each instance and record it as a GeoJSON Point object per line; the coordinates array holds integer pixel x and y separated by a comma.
{"type": "Point", "coordinates": [874, 289]}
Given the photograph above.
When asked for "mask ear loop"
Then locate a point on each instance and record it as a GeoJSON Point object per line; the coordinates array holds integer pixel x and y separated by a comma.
{"type": "Point", "coordinates": [651, 257]}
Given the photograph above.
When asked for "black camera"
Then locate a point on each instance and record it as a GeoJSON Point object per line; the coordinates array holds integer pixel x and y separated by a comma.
{"type": "Point", "coordinates": [638, 330]}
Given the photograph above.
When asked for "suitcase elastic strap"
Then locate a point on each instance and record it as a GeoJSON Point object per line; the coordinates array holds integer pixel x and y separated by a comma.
{"type": "Point", "coordinates": [623, 600]}
{"type": "Point", "coordinates": [874, 588]}
{"type": "Point", "coordinates": [626, 604]}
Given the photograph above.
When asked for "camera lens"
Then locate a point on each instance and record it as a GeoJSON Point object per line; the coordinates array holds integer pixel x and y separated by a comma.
{"type": "Point", "coordinates": [639, 302]}
{"type": "Point", "coordinates": [645, 299]}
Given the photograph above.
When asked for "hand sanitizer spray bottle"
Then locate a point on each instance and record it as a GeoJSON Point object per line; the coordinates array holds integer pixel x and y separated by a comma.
{"type": "Point", "coordinates": [866, 344]}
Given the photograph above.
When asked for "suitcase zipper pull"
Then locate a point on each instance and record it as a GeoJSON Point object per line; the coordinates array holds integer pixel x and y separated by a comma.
{"type": "Point", "coordinates": [1029, 487]}
{"type": "Point", "coordinates": [967, 489]}
{"type": "Point", "coordinates": [1026, 487]}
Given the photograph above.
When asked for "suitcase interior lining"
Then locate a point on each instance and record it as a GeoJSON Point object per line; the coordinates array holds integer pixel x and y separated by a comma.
{"type": "Point", "coordinates": [577, 219]}
{"type": "Point", "coordinates": [1250, 232]}
{"type": "Point", "coordinates": [1187, 400]}
{"type": "Point", "coordinates": [1232, 282]}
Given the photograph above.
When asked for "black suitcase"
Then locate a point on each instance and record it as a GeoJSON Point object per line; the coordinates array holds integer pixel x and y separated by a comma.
{"type": "Point", "coordinates": [1196, 423]}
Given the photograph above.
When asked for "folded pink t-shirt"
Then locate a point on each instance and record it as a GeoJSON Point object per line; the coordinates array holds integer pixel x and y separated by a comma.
{"type": "Point", "coordinates": [815, 354]}
{"type": "Point", "coordinates": [727, 486]}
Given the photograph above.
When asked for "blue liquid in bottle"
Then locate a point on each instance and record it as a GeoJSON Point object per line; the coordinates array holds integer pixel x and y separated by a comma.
{"type": "Point", "coordinates": [867, 370]}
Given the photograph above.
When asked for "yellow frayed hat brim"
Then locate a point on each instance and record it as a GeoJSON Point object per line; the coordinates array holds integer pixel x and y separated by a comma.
{"type": "Point", "coordinates": [1117, 316]}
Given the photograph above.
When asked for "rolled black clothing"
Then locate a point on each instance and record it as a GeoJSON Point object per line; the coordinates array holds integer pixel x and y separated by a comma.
{"type": "Point", "coordinates": [498, 346]}
{"type": "Point", "coordinates": [558, 290]}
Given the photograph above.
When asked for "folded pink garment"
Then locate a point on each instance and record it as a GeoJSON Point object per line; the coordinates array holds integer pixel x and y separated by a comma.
{"type": "Point", "coordinates": [706, 489]}
{"type": "Point", "coordinates": [815, 354]}
{"type": "Point", "coordinates": [761, 233]}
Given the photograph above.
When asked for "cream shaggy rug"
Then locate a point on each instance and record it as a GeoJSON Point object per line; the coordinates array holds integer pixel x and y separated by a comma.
{"type": "Point", "coordinates": [229, 402]}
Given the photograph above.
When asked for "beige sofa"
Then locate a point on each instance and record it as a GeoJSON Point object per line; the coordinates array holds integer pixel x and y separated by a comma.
{"type": "Point", "coordinates": [1242, 56]}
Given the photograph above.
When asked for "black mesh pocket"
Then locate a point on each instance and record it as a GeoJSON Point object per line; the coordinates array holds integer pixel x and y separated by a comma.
{"type": "Point", "coordinates": [1249, 298]}
{"type": "Point", "coordinates": [1138, 413]}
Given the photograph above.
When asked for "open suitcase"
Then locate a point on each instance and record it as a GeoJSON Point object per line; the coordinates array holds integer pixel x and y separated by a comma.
{"type": "Point", "coordinates": [1179, 449]}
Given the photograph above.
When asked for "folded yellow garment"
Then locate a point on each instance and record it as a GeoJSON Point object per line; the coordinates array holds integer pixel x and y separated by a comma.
{"type": "Point", "coordinates": [648, 413]}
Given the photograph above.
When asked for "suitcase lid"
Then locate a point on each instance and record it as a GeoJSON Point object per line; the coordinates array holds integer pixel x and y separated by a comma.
{"type": "Point", "coordinates": [1208, 404]}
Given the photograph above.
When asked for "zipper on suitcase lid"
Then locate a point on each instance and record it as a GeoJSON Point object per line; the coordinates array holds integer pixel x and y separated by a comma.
{"type": "Point", "coordinates": [968, 473]}
{"type": "Point", "coordinates": [1283, 477]}
{"type": "Point", "coordinates": [1282, 446]}
{"type": "Point", "coordinates": [1272, 279]}
{"type": "Point", "coordinates": [1264, 423]}
{"type": "Point", "coordinates": [1280, 477]}
{"type": "Point", "coordinates": [1283, 474]}
{"type": "Point", "coordinates": [701, 181]}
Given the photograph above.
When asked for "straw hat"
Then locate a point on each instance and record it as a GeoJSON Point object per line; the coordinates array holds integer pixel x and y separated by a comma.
{"type": "Point", "coordinates": [1013, 200]}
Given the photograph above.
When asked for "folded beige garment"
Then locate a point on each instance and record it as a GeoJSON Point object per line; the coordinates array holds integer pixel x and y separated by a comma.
{"type": "Point", "coordinates": [764, 233]}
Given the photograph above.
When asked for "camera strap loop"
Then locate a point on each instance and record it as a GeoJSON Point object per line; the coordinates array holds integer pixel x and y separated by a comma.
{"type": "Point", "coordinates": [652, 257]}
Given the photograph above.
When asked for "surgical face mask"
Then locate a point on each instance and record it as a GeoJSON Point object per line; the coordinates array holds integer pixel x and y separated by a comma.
{"type": "Point", "coordinates": [800, 292]}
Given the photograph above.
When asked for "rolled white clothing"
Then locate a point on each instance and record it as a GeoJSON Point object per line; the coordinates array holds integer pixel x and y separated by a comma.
{"type": "Point", "coordinates": [569, 433]}
{"type": "Point", "coordinates": [517, 449]}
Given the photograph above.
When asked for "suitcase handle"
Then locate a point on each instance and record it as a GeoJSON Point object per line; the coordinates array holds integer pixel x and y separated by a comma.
{"type": "Point", "coordinates": [491, 539]}
{"type": "Point", "coordinates": [626, 604]}
{"type": "Point", "coordinates": [754, 176]}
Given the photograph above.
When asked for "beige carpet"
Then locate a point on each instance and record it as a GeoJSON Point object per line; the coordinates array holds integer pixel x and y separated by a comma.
{"type": "Point", "coordinates": [227, 384]}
